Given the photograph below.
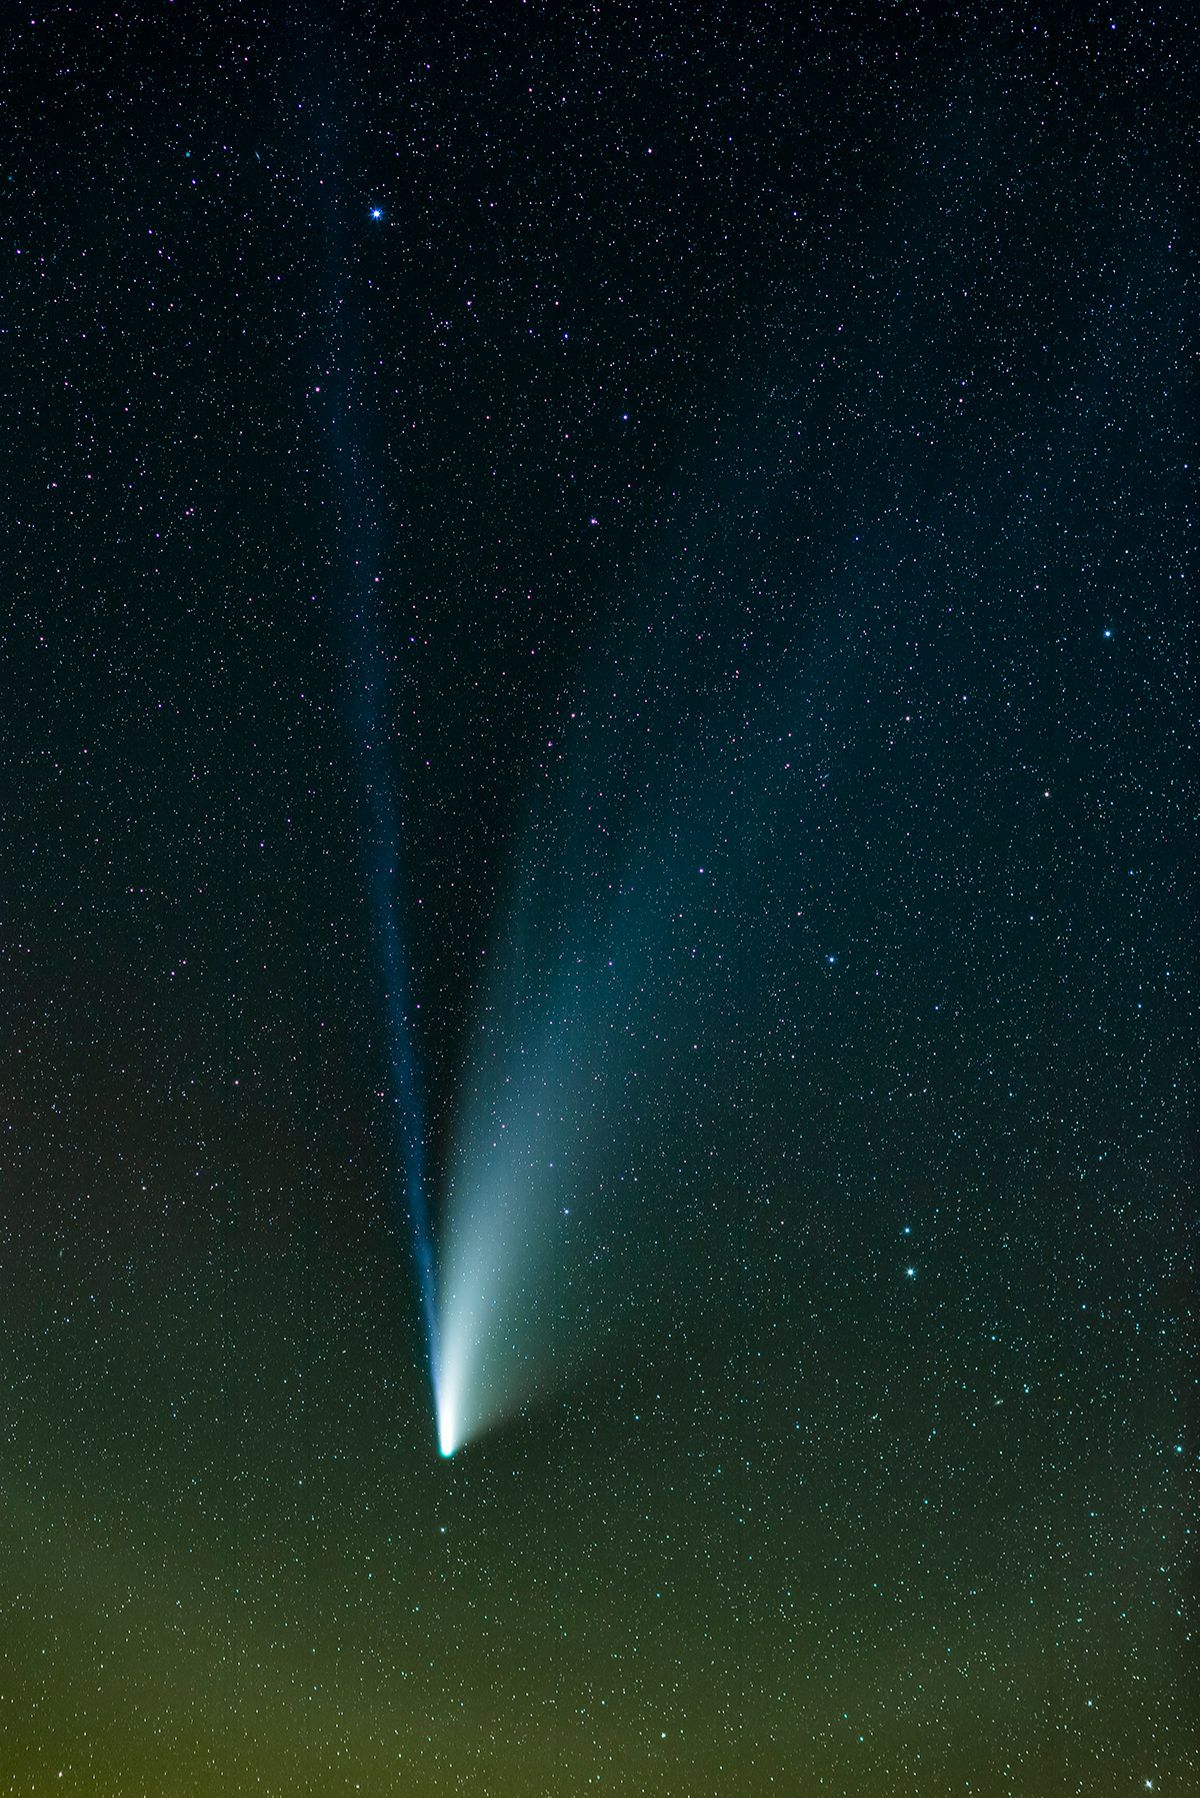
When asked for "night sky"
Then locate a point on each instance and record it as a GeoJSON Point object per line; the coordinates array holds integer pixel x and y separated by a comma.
{"type": "Point", "coordinates": [597, 734]}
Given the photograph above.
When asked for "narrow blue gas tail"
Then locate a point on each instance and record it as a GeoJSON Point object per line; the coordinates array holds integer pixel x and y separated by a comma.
{"type": "Point", "coordinates": [382, 859]}
{"type": "Point", "coordinates": [383, 830]}
{"type": "Point", "coordinates": [407, 1098]}
{"type": "Point", "coordinates": [336, 359]}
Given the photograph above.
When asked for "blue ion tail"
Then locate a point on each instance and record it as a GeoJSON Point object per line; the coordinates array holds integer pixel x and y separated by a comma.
{"type": "Point", "coordinates": [358, 494]}
{"type": "Point", "coordinates": [427, 1280]}
{"type": "Point", "coordinates": [409, 1142]}
{"type": "Point", "coordinates": [408, 1137]}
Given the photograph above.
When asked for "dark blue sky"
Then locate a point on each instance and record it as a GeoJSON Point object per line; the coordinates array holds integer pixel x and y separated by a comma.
{"type": "Point", "coordinates": [772, 431]}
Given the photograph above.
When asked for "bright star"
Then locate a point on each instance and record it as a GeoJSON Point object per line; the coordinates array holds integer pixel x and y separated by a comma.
{"type": "Point", "coordinates": [377, 212]}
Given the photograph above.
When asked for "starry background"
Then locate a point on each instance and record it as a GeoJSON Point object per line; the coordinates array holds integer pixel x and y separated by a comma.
{"type": "Point", "coordinates": [771, 429]}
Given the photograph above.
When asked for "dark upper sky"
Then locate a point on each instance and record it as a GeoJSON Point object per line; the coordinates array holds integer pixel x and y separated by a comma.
{"type": "Point", "coordinates": [763, 437]}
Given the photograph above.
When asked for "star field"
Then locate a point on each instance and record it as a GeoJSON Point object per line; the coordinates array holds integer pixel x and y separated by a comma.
{"type": "Point", "coordinates": [746, 458]}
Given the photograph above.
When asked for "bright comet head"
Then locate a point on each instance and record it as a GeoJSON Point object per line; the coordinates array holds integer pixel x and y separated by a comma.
{"type": "Point", "coordinates": [447, 1433]}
